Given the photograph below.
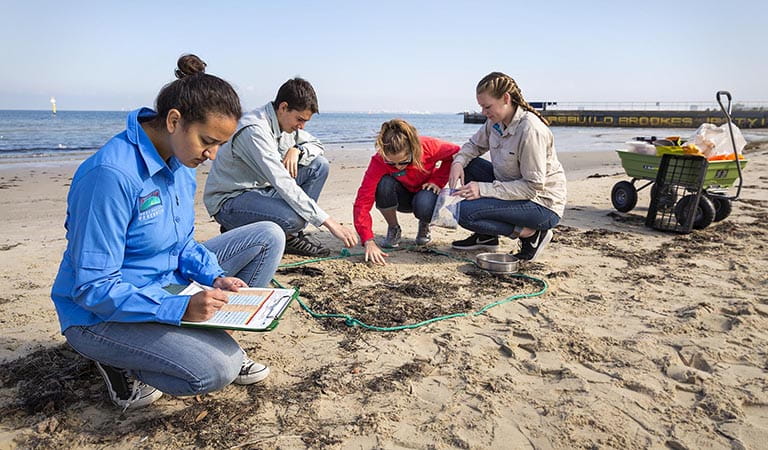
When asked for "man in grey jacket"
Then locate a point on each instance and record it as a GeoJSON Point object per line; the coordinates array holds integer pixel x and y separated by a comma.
{"type": "Point", "coordinates": [273, 170]}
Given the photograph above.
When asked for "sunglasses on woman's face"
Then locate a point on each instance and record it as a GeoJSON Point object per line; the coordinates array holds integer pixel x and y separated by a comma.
{"type": "Point", "coordinates": [400, 163]}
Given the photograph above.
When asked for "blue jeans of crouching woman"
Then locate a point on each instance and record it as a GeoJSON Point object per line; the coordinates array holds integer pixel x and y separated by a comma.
{"type": "Point", "coordinates": [187, 361]}
{"type": "Point", "coordinates": [391, 194]}
{"type": "Point", "coordinates": [496, 217]}
{"type": "Point", "coordinates": [176, 360]}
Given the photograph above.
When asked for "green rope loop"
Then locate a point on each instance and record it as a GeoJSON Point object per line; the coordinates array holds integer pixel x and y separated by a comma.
{"type": "Point", "coordinates": [353, 322]}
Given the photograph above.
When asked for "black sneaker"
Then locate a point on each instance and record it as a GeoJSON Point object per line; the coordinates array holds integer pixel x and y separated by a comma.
{"type": "Point", "coordinates": [531, 247]}
{"type": "Point", "coordinates": [477, 241]}
{"type": "Point", "coordinates": [125, 391]}
{"type": "Point", "coordinates": [301, 245]}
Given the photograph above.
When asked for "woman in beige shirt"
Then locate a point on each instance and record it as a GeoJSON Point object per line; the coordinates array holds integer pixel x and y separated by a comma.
{"type": "Point", "coordinates": [521, 192]}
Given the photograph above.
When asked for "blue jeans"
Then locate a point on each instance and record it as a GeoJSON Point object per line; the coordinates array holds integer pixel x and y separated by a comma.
{"type": "Point", "coordinates": [261, 205]}
{"type": "Point", "coordinates": [176, 360]}
{"type": "Point", "coordinates": [391, 194]}
{"type": "Point", "coordinates": [251, 252]}
{"type": "Point", "coordinates": [494, 216]}
{"type": "Point", "coordinates": [187, 361]}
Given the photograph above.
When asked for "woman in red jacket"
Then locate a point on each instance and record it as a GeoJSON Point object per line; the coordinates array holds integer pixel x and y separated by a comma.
{"type": "Point", "coordinates": [406, 174]}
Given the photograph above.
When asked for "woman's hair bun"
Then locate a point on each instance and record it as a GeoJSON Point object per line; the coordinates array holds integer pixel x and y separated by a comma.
{"type": "Point", "coordinates": [189, 65]}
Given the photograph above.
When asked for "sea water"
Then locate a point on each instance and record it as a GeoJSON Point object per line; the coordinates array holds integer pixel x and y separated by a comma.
{"type": "Point", "coordinates": [71, 134]}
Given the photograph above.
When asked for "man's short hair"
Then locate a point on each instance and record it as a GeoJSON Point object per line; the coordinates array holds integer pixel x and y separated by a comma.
{"type": "Point", "coordinates": [298, 94]}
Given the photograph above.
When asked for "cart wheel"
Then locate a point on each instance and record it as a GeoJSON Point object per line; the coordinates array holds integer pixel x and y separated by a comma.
{"type": "Point", "coordinates": [665, 196]}
{"type": "Point", "coordinates": [704, 215]}
{"type": "Point", "coordinates": [624, 196]}
{"type": "Point", "coordinates": [723, 208]}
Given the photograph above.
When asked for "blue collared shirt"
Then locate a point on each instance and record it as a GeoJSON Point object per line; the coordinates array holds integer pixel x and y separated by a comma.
{"type": "Point", "coordinates": [130, 225]}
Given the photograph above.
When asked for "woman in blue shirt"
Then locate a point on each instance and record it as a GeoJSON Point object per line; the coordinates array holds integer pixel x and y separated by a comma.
{"type": "Point", "coordinates": [130, 226]}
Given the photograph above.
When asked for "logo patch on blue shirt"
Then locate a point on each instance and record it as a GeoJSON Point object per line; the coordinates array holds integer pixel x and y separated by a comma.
{"type": "Point", "coordinates": [150, 205]}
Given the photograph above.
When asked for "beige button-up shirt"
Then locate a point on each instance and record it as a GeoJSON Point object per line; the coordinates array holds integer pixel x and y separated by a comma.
{"type": "Point", "coordinates": [524, 160]}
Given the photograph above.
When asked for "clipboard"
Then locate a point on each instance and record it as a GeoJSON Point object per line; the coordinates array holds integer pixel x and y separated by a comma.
{"type": "Point", "coordinates": [249, 309]}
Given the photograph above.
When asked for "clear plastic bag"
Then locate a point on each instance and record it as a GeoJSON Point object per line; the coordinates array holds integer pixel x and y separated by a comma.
{"type": "Point", "coordinates": [446, 210]}
{"type": "Point", "coordinates": [714, 141]}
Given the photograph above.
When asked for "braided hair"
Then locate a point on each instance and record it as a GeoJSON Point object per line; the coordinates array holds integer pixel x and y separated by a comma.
{"type": "Point", "coordinates": [496, 84]}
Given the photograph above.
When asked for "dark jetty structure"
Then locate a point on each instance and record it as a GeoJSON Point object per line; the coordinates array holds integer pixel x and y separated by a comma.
{"type": "Point", "coordinates": [743, 118]}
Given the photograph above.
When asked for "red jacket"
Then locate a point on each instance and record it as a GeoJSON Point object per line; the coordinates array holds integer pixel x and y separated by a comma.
{"type": "Point", "coordinates": [434, 151]}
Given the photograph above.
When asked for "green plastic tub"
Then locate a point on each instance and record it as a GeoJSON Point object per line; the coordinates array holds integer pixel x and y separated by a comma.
{"type": "Point", "coordinates": [720, 174]}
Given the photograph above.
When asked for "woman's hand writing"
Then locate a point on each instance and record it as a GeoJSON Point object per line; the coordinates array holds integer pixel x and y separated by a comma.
{"type": "Point", "coordinates": [203, 305]}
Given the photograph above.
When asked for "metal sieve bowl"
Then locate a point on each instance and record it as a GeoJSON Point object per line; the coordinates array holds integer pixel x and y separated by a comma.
{"type": "Point", "coordinates": [497, 262]}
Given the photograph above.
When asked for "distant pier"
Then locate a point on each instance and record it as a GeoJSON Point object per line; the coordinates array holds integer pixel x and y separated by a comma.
{"type": "Point", "coordinates": [749, 118]}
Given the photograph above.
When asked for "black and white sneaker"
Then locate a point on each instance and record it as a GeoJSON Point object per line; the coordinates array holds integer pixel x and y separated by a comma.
{"type": "Point", "coordinates": [531, 247]}
{"type": "Point", "coordinates": [300, 244]}
{"type": "Point", "coordinates": [477, 241]}
{"type": "Point", "coordinates": [126, 391]}
{"type": "Point", "coordinates": [251, 372]}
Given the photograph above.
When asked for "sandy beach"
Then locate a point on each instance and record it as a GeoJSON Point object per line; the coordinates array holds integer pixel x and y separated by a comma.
{"type": "Point", "coordinates": [643, 339]}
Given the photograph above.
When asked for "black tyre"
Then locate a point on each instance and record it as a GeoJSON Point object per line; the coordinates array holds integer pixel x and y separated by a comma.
{"type": "Point", "coordinates": [704, 212]}
{"type": "Point", "coordinates": [723, 208]}
{"type": "Point", "coordinates": [624, 196]}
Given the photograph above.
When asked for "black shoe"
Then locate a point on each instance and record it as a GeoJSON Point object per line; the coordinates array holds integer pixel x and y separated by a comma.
{"type": "Point", "coordinates": [301, 245]}
{"type": "Point", "coordinates": [531, 247]}
{"type": "Point", "coordinates": [125, 391]}
{"type": "Point", "coordinates": [423, 236]}
{"type": "Point", "coordinates": [477, 241]}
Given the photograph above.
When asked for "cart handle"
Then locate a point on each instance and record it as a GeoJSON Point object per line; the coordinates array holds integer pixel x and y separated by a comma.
{"type": "Point", "coordinates": [727, 113]}
{"type": "Point", "coordinates": [720, 102]}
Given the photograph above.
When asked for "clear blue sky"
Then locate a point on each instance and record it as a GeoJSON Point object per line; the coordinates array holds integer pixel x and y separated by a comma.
{"type": "Point", "coordinates": [384, 55]}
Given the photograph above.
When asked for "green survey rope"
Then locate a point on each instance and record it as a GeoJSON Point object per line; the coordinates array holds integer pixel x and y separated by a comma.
{"type": "Point", "coordinates": [352, 322]}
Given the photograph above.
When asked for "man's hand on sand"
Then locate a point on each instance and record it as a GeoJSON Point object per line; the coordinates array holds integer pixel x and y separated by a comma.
{"type": "Point", "coordinates": [342, 233]}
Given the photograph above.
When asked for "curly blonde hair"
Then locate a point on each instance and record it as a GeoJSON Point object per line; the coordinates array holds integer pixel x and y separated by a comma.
{"type": "Point", "coordinates": [496, 84]}
{"type": "Point", "coordinates": [398, 136]}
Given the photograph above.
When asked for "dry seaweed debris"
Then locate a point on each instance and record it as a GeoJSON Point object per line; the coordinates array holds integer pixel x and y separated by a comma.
{"type": "Point", "coordinates": [414, 299]}
{"type": "Point", "coordinates": [49, 379]}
